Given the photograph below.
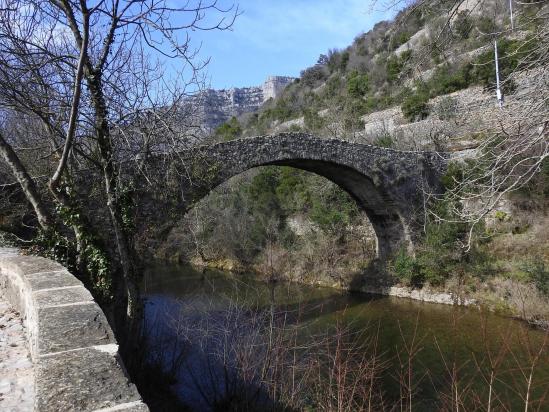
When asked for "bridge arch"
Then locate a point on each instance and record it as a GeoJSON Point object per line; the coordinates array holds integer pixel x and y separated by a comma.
{"type": "Point", "coordinates": [388, 185]}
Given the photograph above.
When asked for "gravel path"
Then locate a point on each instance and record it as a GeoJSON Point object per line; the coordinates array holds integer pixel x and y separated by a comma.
{"type": "Point", "coordinates": [16, 371]}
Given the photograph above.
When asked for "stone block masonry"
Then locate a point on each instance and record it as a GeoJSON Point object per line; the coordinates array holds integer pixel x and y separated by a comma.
{"type": "Point", "coordinates": [274, 85]}
{"type": "Point", "coordinates": [75, 355]}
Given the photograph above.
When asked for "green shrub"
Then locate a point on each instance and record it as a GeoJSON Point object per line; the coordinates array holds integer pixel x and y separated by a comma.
{"type": "Point", "coordinates": [358, 85]}
{"type": "Point", "coordinates": [399, 39]}
{"type": "Point", "coordinates": [313, 121]}
{"type": "Point", "coordinates": [415, 107]}
{"type": "Point", "coordinates": [332, 87]}
{"type": "Point", "coordinates": [312, 76]}
{"type": "Point", "coordinates": [282, 110]}
{"type": "Point", "coordinates": [501, 216]}
{"type": "Point", "coordinates": [440, 254]}
{"type": "Point", "coordinates": [229, 130]}
{"type": "Point", "coordinates": [293, 190]}
{"type": "Point", "coordinates": [394, 67]}
{"type": "Point", "coordinates": [332, 210]}
{"type": "Point", "coordinates": [384, 141]}
{"type": "Point", "coordinates": [262, 192]}
{"type": "Point", "coordinates": [511, 53]}
{"type": "Point", "coordinates": [486, 25]}
{"type": "Point", "coordinates": [453, 175]}
{"type": "Point", "coordinates": [446, 109]}
{"type": "Point", "coordinates": [352, 111]}
{"type": "Point", "coordinates": [405, 268]}
{"type": "Point", "coordinates": [445, 81]}
{"type": "Point", "coordinates": [463, 25]}
{"type": "Point", "coordinates": [344, 61]}
{"type": "Point", "coordinates": [537, 189]}
{"type": "Point", "coordinates": [537, 273]}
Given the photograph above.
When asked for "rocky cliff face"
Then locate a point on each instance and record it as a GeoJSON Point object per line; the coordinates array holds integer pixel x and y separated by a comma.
{"type": "Point", "coordinates": [214, 107]}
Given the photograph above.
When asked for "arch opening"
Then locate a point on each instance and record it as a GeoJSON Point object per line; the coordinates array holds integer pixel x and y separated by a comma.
{"type": "Point", "coordinates": [390, 232]}
{"type": "Point", "coordinates": [387, 224]}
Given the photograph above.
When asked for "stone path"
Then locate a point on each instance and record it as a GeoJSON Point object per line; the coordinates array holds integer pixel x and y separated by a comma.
{"type": "Point", "coordinates": [16, 371]}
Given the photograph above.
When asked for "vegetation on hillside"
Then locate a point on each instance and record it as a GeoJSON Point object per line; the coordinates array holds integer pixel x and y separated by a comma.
{"type": "Point", "coordinates": [379, 70]}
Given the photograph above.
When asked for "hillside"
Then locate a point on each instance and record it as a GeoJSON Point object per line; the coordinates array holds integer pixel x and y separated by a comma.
{"type": "Point", "coordinates": [420, 82]}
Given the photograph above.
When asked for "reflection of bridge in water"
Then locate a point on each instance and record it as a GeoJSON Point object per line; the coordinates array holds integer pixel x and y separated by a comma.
{"type": "Point", "coordinates": [389, 185]}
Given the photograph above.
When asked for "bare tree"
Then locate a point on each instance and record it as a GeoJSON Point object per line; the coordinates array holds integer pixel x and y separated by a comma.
{"type": "Point", "coordinates": [89, 73]}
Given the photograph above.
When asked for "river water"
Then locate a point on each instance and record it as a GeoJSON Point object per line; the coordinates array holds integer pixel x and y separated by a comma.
{"type": "Point", "coordinates": [453, 347]}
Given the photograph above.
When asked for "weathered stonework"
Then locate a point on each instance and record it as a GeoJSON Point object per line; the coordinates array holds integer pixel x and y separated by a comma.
{"type": "Point", "coordinates": [388, 185]}
{"type": "Point", "coordinates": [75, 355]}
{"type": "Point", "coordinates": [274, 85]}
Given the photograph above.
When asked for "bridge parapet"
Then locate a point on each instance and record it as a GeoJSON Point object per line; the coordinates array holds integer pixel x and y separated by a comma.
{"type": "Point", "coordinates": [74, 352]}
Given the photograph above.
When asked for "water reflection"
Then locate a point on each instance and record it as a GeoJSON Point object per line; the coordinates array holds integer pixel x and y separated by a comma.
{"type": "Point", "coordinates": [449, 341]}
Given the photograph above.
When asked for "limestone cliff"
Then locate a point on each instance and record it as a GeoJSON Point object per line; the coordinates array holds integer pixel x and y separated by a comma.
{"type": "Point", "coordinates": [214, 107]}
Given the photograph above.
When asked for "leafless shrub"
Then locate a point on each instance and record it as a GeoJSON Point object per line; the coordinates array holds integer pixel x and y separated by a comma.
{"type": "Point", "coordinates": [241, 357]}
{"type": "Point", "coordinates": [236, 355]}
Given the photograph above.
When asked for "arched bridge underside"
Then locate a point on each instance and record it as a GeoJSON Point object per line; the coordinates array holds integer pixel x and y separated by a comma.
{"type": "Point", "coordinates": [388, 185]}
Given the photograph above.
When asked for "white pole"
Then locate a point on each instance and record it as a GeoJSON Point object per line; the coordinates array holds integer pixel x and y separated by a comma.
{"type": "Point", "coordinates": [511, 10]}
{"type": "Point", "coordinates": [499, 95]}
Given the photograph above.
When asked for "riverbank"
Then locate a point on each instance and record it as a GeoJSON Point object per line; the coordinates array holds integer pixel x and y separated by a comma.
{"type": "Point", "coordinates": [506, 297]}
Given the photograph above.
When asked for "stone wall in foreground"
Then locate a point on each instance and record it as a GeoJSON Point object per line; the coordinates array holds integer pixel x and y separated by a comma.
{"type": "Point", "coordinates": [74, 352]}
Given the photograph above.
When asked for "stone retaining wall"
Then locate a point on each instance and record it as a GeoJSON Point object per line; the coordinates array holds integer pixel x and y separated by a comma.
{"type": "Point", "coordinates": [75, 354]}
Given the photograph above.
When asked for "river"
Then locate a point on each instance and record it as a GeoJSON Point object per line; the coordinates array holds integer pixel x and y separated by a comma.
{"type": "Point", "coordinates": [191, 314]}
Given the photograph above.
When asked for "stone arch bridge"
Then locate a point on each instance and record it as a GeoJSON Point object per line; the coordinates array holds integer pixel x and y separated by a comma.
{"type": "Point", "coordinates": [388, 185]}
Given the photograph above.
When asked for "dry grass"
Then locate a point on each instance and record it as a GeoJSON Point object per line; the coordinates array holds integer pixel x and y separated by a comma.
{"type": "Point", "coordinates": [533, 242]}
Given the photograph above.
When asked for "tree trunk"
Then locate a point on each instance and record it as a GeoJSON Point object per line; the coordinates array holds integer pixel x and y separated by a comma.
{"type": "Point", "coordinates": [26, 182]}
{"type": "Point", "coordinates": [123, 243]}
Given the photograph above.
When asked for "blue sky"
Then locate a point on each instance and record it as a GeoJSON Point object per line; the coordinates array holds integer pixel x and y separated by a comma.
{"type": "Point", "coordinates": [282, 37]}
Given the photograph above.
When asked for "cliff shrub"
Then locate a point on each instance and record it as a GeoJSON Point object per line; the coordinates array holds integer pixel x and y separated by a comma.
{"type": "Point", "coordinates": [463, 25]}
{"type": "Point", "coordinates": [282, 110]}
{"type": "Point", "coordinates": [358, 85]}
{"type": "Point", "coordinates": [313, 75]}
{"type": "Point", "coordinates": [512, 53]}
{"type": "Point", "coordinates": [415, 105]}
{"type": "Point", "coordinates": [229, 131]}
{"type": "Point", "coordinates": [399, 39]}
{"type": "Point", "coordinates": [537, 273]}
{"type": "Point", "coordinates": [312, 120]}
{"type": "Point", "coordinates": [445, 80]}
{"type": "Point", "coordinates": [447, 108]}
{"type": "Point", "coordinates": [394, 67]}
{"type": "Point", "coordinates": [385, 140]}
{"type": "Point", "coordinates": [344, 60]}
{"type": "Point", "coordinates": [352, 112]}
